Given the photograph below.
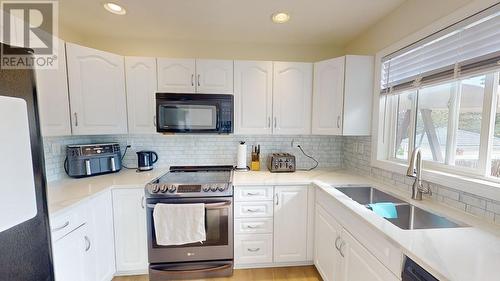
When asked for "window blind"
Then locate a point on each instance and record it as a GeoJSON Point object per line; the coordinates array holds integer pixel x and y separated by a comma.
{"type": "Point", "coordinates": [467, 47]}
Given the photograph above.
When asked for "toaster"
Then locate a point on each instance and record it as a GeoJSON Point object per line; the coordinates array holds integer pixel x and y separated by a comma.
{"type": "Point", "coordinates": [281, 162]}
{"type": "Point", "coordinates": [85, 160]}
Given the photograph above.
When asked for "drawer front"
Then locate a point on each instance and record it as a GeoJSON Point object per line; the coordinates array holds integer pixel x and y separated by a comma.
{"type": "Point", "coordinates": [258, 225]}
{"type": "Point", "coordinates": [63, 223]}
{"type": "Point", "coordinates": [253, 209]}
{"type": "Point", "coordinates": [253, 248]}
{"type": "Point", "coordinates": [253, 193]}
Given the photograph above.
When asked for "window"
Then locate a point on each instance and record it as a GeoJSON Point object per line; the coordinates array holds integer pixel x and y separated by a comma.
{"type": "Point", "coordinates": [442, 94]}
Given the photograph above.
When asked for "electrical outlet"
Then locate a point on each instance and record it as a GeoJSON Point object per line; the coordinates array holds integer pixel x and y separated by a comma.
{"type": "Point", "coordinates": [295, 143]}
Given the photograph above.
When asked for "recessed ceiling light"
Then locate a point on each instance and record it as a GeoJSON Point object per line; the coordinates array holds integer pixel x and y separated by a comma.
{"type": "Point", "coordinates": [280, 17]}
{"type": "Point", "coordinates": [115, 8]}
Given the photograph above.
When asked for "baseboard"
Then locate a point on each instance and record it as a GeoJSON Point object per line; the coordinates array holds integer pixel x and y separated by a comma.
{"type": "Point", "coordinates": [274, 264]}
{"type": "Point", "coordinates": [132, 272]}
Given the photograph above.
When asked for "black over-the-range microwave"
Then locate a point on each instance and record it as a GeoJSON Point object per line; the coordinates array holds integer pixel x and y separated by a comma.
{"type": "Point", "coordinates": [194, 113]}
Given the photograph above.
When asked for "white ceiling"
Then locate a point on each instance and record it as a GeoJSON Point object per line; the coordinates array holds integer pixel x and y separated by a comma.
{"type": "Point", "coordinates": [333, 22]}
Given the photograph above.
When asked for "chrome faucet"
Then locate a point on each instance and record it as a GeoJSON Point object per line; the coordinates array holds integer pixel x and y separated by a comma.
{"type": "Point", "coordinates": [415, 171]}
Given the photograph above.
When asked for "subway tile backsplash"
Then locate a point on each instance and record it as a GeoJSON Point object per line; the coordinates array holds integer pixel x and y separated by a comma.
{"type": "Point", "coordinates": [200, 149]}
{"type": "Point", "coordinates": [356, 156]}
{"type": "Point", "coordinates": [352, 153]}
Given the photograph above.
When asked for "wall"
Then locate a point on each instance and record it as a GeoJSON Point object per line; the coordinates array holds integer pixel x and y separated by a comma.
{"type": "Point", "coordinates": [199, 150]}
{"type": "Point", "coordinates": [202, 49]}
{"type": "Point", "coordinates": [410, 17]}
{"type": "Point", "coordinates": [356, 157]}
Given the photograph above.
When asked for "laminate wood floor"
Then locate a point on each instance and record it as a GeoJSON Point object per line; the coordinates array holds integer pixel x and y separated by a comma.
{"type": "Point", "coordinates": [298, 273]}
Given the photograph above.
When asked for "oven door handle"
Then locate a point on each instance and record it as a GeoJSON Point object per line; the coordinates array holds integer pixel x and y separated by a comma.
{"type": "Point", "coordinates": [215, 268]}
{"type": "Point", "coordinates": [211, 206]}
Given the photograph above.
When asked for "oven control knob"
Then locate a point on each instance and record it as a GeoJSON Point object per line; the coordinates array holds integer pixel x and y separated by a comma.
{"type": "Point", "coordinates": [213, 188]}
{"type": "Point", "coordinates": [172, 189]}
{"type": "Point", "coordinates": [222, 188]}
{"type": "Point", "coordinates": [163, 188]}
{"type": "Point", "coordinates": [206, 188]}
{"type": "Point", "coordinates": [155, 188]}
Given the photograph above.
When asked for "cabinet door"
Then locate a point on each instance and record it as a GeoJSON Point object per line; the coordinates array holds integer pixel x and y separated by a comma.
{"type": "Point", "coordinates": [290, 235]}
{"type": "Point", "coordinates": [328, 97]}
{"type": "Point", "coordinates": [101, 237]}
{"type": "Point", "coordinates": [359, 264]}
{"type": "Point", "coordinates": [253, 97]}
{"type": "Point", "coordinates": [292, 94]}
{"type": "Point", "coordinates": [97, 91]}
{"type": "Point", "coordinates": [140, 77]}
{"type": "Point", "coordinates": [70, 256]}
{"type": "Point", "coordinates": [176, 75]}
{"type": "Point", "coordinates": [327, 258]}
{"type": "Point", "coordinates": [130, 231]}
{"type": "Point", "coordinates": [214, 76]}
{"type": "Point", "coordinates": [53, 100]}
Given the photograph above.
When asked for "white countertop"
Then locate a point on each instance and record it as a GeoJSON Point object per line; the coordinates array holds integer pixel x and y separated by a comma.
{"type": "Point", "coordinates": [471, 253]}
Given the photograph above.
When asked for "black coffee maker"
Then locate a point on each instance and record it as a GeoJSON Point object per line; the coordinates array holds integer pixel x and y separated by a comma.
{"type": "Point", "coordinates": [146, 159]}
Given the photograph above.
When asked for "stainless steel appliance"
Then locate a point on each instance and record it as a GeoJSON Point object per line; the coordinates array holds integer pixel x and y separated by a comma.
{"type": "Point", "coordinates": [281, 162]}
{"type": "Point", "coordinates": [414, 272]}
{"type": "Point", "coordinates": [146, 159]}
{"type": "Point", "coordinates": [85, 160]}
{"type": "Point", "coordinates": [194, 113]}
{"type": "Point", "coordinates": [25, 247]}
{"type": "Point", "coordinates": [211, 185]}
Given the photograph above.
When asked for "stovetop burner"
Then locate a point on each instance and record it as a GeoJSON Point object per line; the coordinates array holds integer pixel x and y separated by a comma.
{"type": "Point", "coordinates": [192, 181]}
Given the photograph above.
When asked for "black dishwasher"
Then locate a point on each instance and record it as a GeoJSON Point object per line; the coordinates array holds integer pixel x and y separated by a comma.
{"type": "Point", "coordinates": [414, 272]}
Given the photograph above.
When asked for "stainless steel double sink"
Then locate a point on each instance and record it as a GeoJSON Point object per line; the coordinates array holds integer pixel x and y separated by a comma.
{"type": "Point", "coordinates": [407, 216]}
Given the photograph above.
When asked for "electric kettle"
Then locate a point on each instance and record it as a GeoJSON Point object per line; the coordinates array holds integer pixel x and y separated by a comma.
{"type": "Point", "coordinates": [146, 159]}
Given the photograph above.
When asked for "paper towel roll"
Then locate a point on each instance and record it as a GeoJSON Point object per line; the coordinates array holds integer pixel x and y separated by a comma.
{"type": "Point", "coordinates": [242, 156]}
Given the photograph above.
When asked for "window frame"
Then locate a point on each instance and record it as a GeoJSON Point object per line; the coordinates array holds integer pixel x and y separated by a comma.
{"type": "Point", "coordinates": [477, 183]}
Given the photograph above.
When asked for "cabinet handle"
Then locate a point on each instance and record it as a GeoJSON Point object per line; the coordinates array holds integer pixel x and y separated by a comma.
{"type": "Point", "coordinates": [192, 79]}
{"type": "Point", "coordinates": [60, 227]}
{"type": "Point", "coordinates": [252, 193]}
{"type": "Point", "coordinates": [142, 202]}
{"type": "Point", "coordinates": [253, 210]}
{"type": "Point", "coordinates": [338, 121]}
{"type": "Point", "coordinates": [253, 249]}
{"type": "Point", "coordinates": [154, 121]}
{"type": "Point", "coordinates": [76, 119]}
{"type": "Point", "coordinates": [199, 76]}
{"type": "Point", "coordinates": [275, 122]}
{"type": "Point", "coordinates": [340, 249]}
{"type": "Point", "coordinates": [87, 243]}
{"type": "Point", "coordinates": [269, 122]}
{"type": "Point", "coordinates": [252, 226]}
{"type": "Point", "coordinates": [337, 243]}
{"type": "Point", "coordinates": [277, 199]}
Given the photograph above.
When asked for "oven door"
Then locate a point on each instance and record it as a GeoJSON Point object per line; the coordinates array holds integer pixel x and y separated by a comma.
{"type": "Point", "coordinates": [188, 116]}
{"type": "Point", "coordinates": [218, 227]}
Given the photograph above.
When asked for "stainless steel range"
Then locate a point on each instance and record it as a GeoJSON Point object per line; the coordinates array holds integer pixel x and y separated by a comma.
{"type": "Point", "coordinates": [212, 186]}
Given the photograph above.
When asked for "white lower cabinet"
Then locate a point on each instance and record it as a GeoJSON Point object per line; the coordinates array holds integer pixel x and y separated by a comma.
{"type": "Point", "coordinates": [131, 249]}
{"type": "Point", "coordinates": [264, 234]}
{"type": "Point", "coordinates": [339, 256]}
{"type": "Point", "coordinates": [326, 257]}
{"type": "Point", "coordinates": [359, 264]}
{"type": "Point", "coordinates": [290, 235]}
{"type": "Point", "coordinates": [70, 256]}
{"type": "Point", "coordinates": [101, 238]}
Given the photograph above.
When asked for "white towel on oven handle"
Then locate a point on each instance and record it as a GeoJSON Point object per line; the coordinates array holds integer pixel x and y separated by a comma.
{"type": "Point", "coordinates": [179, 224]}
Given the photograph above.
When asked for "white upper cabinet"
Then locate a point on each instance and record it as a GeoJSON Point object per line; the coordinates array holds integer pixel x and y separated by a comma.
{"type": "Point", "coordinates": [290, 223]}
{"type": "Point", "coordinates": [176, 75]}
{"type": "Point", "coordinates": [328, 97]}
{"type": "Point", "coordinates": [53, 100]}
{"type": "Point", "coordinates": [214, 76]}
{"type": "Point", "coordinates": [342, 100]}
{"type": "Point", "coordinates": [141, 84]}
{"type": "Point", "coordinates": [253, 97]}
{"type": "Point", "coordinates": [97, 91]}
{"type": "Point", "coordinates": [292, 94]}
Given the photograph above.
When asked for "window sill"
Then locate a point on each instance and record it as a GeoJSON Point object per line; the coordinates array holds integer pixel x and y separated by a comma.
{"type": "Point", "coordinates": [476, 186]}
